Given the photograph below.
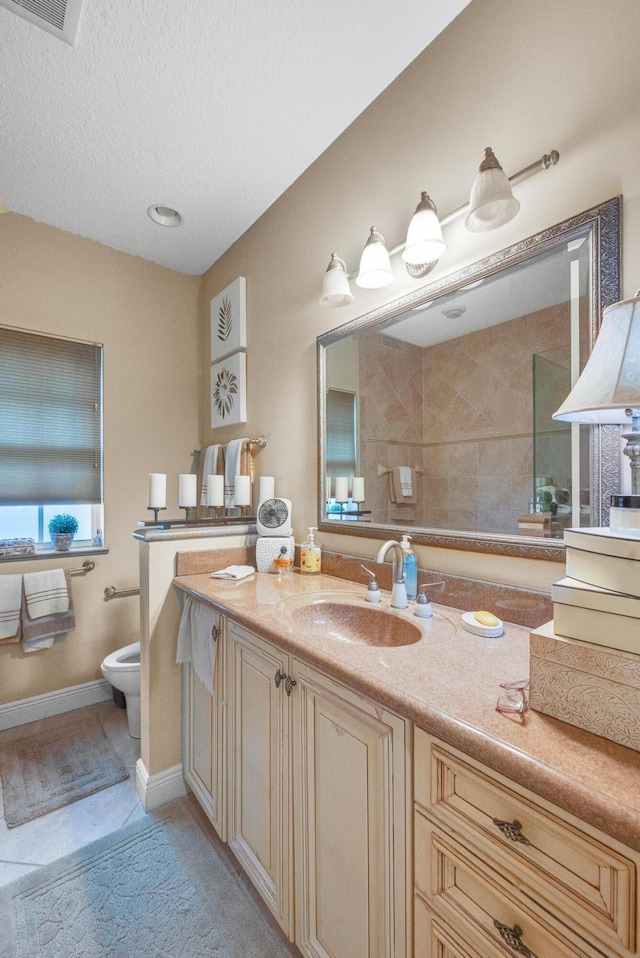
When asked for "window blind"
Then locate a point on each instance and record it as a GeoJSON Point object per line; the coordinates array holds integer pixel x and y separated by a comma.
{"type": "Point", "coordinates": [50, 420]}
{"type": "Point", "coordinates": [341, 433]}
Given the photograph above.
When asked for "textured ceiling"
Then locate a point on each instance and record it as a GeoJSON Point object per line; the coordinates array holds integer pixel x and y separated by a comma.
{"type": "Point", "coordinates": [213, 107]}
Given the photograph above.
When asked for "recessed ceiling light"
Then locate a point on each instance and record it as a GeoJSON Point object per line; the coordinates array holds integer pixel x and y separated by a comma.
{"type": "Point", "coordinates": [164, 215]}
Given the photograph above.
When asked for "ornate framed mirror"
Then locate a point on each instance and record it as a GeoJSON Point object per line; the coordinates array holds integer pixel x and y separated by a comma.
{"type": "Point", "coordinates": [439, 404]}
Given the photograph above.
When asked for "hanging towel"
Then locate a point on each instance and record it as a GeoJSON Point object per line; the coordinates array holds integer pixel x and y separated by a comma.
{"type": "Point", "coordinates": [402, 488]}
{"type": "Point", "coordinates": [46, 593]}
{"type": "Point", "coordinates": [196, 642]}
{"type": "Point", "coordinates": [232, 468]}
{"type": "Point", "coordinates": [41, 632]}
{"type": "Point", "coordinates": [210, 467]}
{"type": "Point", "coordinates": [10, 601]}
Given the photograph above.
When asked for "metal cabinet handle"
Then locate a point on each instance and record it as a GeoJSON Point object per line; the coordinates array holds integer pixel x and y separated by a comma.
{"type": "Point", "coordinates": [512, 938]}
{"type": "Point", "coordinates": [278, 677]}
{"type": "Point", "coordinates": [288, 684]}
{"type": "Point", "coordinates": [512, 830]}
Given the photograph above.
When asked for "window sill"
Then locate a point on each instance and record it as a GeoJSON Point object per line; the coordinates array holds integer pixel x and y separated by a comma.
{"type": "Point", "coordinates": [49, 553]}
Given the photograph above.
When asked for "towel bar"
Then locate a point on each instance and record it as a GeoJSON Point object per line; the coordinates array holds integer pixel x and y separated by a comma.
{"type": "Point", "coordinates": [111, 592]}
{"type": "Point", "coordinates": [382, 470]}
{"type": "Point", "coordinates": [261, 441]}
{"type": "Point", "coordinates": [87, 566]}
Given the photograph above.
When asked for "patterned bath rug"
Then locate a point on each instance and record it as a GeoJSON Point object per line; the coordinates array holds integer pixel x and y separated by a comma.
{"type": "Point", "coordinates": [53, 762]}
{"type": "Point", "coordinates": [157, 888]}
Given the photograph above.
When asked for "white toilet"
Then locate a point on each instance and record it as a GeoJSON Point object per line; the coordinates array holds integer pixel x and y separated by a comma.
{"type": "Point", "coordinates": [122, 670]}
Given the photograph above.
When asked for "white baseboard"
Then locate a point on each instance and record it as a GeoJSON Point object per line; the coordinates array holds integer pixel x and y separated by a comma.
{"type": "Point", "coordinates": [156, 790]}
{"type": "Point", "coordinates": [53, 703]}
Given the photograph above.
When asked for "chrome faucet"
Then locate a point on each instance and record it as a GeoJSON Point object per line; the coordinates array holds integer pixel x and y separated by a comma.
{"type": "Point", "coordinates": [398, 590]}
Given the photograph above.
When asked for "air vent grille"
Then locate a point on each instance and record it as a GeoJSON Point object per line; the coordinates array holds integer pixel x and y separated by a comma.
{"type": "Point", "coordinates": [58, 17]}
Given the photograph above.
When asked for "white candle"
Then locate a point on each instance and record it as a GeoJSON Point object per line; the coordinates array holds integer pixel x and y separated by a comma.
{"type": "Point", "coordinates": [358, 489]}
{"type": "Point", "coordinates": [243, 491]}
{"type": "Point", "coordinates": [266, 488]}
{"type": "Point", "coordinates": [215, 490]}
{"type": "Point", "coordinates": [187, 491]}
{"type": "Point", "coordinates": [157, 491]}
{"type": "Point", "coordinates": [342, 488]}
{"type": "Point", "coordinates": [327, 487]}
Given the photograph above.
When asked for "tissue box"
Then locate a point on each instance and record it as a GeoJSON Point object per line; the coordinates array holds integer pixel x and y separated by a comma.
{"type": "Point", "coordinates": [608, 560]}
{"type": "Point", "coordinates": [586, 612]}
{"type": "Point", "coordinates": [586, 685]}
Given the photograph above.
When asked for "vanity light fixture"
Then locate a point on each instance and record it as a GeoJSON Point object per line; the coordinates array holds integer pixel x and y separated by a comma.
{"type": "Point", "coordinates": [608, 389]}
{"type": "Point", "coordinates": [164, 215]}
{"type": "Point", "coordinates": [492, 205]}
{"type": "Point", "coordinates": [375, 266]}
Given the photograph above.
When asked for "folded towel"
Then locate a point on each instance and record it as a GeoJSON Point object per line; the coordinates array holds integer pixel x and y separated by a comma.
{"type": "Point", "coordinates": [402, 485]}
{"type": "Point", "coordinates": [232, 468]}
{"type": "Point", "coordinates": [234, 572]}
{"type": "Point", "coordinates": [210, 467]}
{"type": "Point", "coordinates": [197, 639]}
{"type": "Point", "coordinates": [46, 593]}
{"type": "Point", "coordinates": [10, 601]}
{"type": "Point", "coordinates": [43, 631]}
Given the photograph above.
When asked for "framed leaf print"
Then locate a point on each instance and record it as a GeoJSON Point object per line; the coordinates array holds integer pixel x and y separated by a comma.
{"type": "Point", "coordinates": [229, 320]}
{"type": "Point", "coordinates": [229, 390]}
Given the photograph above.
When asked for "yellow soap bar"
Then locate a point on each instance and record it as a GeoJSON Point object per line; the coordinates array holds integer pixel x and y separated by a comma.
{"type": "Point", "coordinates": [486, 618]}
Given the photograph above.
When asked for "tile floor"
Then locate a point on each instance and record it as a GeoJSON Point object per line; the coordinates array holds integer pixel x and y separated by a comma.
{"type": "Point", "coordinates": [25, 848]}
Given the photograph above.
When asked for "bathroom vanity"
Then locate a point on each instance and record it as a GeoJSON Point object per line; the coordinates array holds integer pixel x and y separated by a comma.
{"type": "Point", "coordinates": [380, 804]}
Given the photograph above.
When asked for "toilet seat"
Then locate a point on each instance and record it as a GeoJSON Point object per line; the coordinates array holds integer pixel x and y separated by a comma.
{"type": "Point", "coordinates": [126, 659]}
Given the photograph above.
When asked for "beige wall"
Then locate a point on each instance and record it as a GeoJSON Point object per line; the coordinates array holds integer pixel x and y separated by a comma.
{"type": "Point", "coordinates": [525, 78]}
{"type": "Point", "coordinates": [145, 315]}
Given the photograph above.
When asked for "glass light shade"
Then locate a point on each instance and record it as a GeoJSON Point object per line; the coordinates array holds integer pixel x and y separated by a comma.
{"type": "Point", "coordinates": [335, 285]}
{"type": "Point", "coordinates": [492, 204]}
{"type": "Point", "coordinates": [375, 266]}
{"type": "Point", "coordinates": [424, 236]}
{"type": "Point", "coordinates": [610, 382]}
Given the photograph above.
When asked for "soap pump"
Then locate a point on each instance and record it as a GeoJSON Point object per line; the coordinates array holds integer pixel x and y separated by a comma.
{"type": "Point", "coordinates": [310, 554]}
{"type": "Point", "coordinates": [373, 589]}
{"type": "Point", "coordinates": [409, 568]}
{"type": "Point", "coordinates": [422, 607]}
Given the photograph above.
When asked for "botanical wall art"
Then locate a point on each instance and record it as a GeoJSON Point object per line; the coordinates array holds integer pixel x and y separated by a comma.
{"type": "Point", "coordinates": [229, 320]}
{"type": "Point", "coordinates": [229, 390]}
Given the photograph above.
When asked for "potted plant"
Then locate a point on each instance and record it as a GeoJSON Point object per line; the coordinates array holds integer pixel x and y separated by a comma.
{"type": "Point", "coordinates": [62, 529]}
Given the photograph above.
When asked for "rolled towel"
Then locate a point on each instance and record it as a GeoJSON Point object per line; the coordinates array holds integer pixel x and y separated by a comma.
{"type": "Point", "coordinates": [196, 639]}
{"type": "Point", "coordinates": [10, 599]}
{"type": "Point", "coordinates": [46, 593]}
{"type": "Point", "coordinates": [234, 572]}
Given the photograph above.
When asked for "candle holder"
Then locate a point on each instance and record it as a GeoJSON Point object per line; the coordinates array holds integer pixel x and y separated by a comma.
{"type": "Point", "coordinates": [156, 511]}
{"type": "Point", "coordinates": [187, 510]}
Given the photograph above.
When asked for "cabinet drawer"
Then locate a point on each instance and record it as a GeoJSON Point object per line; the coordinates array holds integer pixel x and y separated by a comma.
{"type": "Point", "coordinates": [433, 938]}
{"type": "Point", "coordinates": [579, 876]}
{"type": "Point", "coordinates": [472, 898]}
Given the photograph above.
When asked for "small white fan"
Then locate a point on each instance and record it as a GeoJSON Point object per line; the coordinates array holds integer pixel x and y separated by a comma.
{"type": "Point", "coordinates": [274, 518]}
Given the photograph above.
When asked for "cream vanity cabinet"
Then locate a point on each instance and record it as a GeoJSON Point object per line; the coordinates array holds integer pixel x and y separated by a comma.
{"type": "Point", "coordinates": [204, 736]}
{"type": "Point", "coordinates": [309, 757]}
{"type": "Point", "coordinates": [500, 871]}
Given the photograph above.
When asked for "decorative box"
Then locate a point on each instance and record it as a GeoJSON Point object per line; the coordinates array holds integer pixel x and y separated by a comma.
{"type": "Point", "coordinates": [586, 612]}
{"type": "Point", "coordinates": [586, 685]}
{"type": "Point", "coordinates": [608, 560]}
{"type": "Point", "coordinates": [17, 547]}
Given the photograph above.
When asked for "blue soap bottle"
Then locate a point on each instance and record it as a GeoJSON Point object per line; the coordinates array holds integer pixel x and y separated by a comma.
{"type": "Point", "coordinates": [409, 568]}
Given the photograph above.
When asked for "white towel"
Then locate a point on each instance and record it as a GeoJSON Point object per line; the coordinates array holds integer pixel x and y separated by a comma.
{"type": "Point", "coordinates": [10, 599]}
{"type": "Point", "coordinates": [405, 480]}
{"type": "Point", "coordinates": [46, 593]}
{"type": "Point", "coordinates": [196, 642]}
{"type": "Point", "coordinates": [234, 572]}
{"type": "Point", "coordinates": [209, 468]}
{"type": "Point", "coordinates": [232, 459]}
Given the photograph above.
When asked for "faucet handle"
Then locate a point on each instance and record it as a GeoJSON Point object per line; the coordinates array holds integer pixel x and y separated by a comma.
{"type": "Point", "coordinates": [373, 589]}
{"type": "Point", "coordinates": [372, 574]}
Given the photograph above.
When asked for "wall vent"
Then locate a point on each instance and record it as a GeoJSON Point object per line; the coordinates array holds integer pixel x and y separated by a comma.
{"type": "Point", "coordinates": [58, 17]}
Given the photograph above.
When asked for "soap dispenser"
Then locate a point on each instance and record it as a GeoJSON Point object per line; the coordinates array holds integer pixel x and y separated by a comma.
{"type": "Point", "coordinates": [409, 568]}
{"type": "Point", "coordinates": [310, 555]}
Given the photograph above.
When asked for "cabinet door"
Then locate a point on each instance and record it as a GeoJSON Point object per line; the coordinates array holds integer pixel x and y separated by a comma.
{"type": "Point", "coordinates": [350, 822]}
{"type": "Point", "coordinates": [204, 738]}
{"type": "Point", "coordinates": [259, 769]}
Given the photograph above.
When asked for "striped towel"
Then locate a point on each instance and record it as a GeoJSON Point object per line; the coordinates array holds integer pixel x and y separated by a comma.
{"type": "Point", "coordinates": [210, 467]}
{"type": "Point", "coordinates": [10, 598]}
{"type": "Point", "coordinates": [41, 633]}
{"type": "Point", "coordinates": [46, 593]}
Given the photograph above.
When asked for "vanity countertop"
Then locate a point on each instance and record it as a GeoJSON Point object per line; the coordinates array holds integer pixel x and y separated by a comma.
{"type": "Point", "coordinates": [448, 684]}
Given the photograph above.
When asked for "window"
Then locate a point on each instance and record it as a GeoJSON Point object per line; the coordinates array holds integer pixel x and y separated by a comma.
{"type": "Point", "coordinates": [341, 433]}
{"type": "Point", "coordinates": [50, 433]}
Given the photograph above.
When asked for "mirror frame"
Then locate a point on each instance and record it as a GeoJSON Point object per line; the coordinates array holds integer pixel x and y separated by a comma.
{"type": "Point", "coordinates": [605, 224]}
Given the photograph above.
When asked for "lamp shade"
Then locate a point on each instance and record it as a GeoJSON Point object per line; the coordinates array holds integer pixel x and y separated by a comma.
{"type": "Point", "coordinates": [491, 203]}
{"type": "Point", "coordinates": [335, 286]}
{"type": "Point", "coordinates": [424, 235]}
{"type": "Point", "coordinates": [375, 266]}
{"type": "Point", "coordinates": [610, 381]}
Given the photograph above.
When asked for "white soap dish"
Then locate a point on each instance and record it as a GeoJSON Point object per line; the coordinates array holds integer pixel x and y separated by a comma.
{"type": "Point", "coordinates": [471, 624]}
